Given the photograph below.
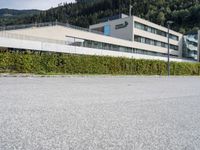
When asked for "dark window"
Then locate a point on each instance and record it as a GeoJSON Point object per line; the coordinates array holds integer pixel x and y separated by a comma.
{"type": "Point", "coordinates": [155, 31]}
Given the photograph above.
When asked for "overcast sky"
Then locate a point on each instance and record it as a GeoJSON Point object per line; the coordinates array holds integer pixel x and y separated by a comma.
{"type": "Point", "coordinates": [31, 4]}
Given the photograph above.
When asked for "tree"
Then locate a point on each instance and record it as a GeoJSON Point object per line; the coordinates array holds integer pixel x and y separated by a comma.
{"type": "Point", "coordinates": [161, 18]}
{"type": "Point", "coordinates": [185, 14]}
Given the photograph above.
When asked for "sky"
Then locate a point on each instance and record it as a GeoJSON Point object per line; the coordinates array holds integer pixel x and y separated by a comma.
{"type": "Point", "coordinates": [31, 4]}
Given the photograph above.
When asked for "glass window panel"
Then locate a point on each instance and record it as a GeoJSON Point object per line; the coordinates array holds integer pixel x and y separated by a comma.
{"type": "Point", "coordinates": [152, 42]}
{"type": "Point", "coordinates": [143, 40]}
{"type": "Point", "coordinates": [158, 43]}
{"type": "Point", "coordinates": [163, 44]}
{"type": "Point", "coordinates": [69, 40]}
{"type": "Point", "coordinates": [78, 42]}
{"type": "Point", "coordinates": [147, 41]}
{"type": "Point", "coordinates": [149, 29]}
{"type": "Point", "coordinates": [153, 30]}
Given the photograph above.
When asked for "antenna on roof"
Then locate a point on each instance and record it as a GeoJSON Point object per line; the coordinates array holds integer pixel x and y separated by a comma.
{"type": "Point", "coordinates": [130, 9]}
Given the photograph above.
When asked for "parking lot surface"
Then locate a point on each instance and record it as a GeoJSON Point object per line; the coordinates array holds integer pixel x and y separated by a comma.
{"type": "Point", "coordinates": [100, 113]}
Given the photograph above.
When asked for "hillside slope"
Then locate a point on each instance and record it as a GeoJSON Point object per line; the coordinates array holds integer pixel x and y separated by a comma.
{"type": "Point", "coordinates": [184, 13]}
{"type": "Point", "coordinates": [12, 16]}
{"type": "Point", "coordinates": [13, 13]}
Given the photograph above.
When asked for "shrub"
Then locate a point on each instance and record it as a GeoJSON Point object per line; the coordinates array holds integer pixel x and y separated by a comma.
{"type": "Point", "coordinates": [18, 61]}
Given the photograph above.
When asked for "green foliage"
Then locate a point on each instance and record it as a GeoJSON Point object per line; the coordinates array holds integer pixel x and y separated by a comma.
{"type": "Point", "coordinates": [18, 61]}
{"type": "Point", "coordinates": [5, 12]}
{"type": "Point", "coordinates": [11, 16]}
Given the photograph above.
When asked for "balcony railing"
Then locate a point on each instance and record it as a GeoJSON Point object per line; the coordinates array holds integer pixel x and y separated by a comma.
{"type": "Point", "coordinates": [46, 24]}
{"type": "Point", "coordinates": [31, 38]}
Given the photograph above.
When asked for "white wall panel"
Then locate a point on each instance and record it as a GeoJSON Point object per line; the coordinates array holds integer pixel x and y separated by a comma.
{"type": "Point", "coordinates": [45, 46]}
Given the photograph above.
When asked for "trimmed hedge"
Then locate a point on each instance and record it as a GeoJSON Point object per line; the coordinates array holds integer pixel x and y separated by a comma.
{"type": "Point", "coordinates": [18, 61]}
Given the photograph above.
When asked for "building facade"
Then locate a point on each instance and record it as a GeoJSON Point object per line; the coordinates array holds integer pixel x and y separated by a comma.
{"type": "Point", "coordinates": [122, 36]}
{"type": "Point", "coordinates": [191, 46]}
{"type": "Point", "coordinates": [146, 36]}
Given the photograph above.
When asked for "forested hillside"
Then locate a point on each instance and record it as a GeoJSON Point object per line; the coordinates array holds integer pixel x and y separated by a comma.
{"type": "Point", "coordinates": [185, 13]}
{"type": "Point", "coordinates": [12, 12]}
{"type": "Point", "coordinates": [12, 16]}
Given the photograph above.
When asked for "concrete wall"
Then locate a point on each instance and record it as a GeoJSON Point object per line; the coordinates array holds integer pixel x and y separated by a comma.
{"type": "Point", "coordinates": [60, 33]}
{"type": "Point", "coordinates": [125, 33]}
{"type": "Point", "coordinates": [9, 42]}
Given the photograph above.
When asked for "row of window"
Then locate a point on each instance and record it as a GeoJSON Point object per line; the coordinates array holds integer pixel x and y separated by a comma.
{"type": "Point", "coordinates": [192, 43]}
{"type": "Point", "coordinates": [155, 31]}
{"type": "Point", "coordinates": [106, 46]}
{"type": "Point", "coordinates": [154, 42]}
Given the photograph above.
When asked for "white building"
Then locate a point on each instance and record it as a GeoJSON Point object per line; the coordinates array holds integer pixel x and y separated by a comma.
{"type": "Point", "coordinates": [191, 46]}
{"type": "Point", "coordinates": [145, 36]}
{"type": "Point", "coordinates": [130, 37]}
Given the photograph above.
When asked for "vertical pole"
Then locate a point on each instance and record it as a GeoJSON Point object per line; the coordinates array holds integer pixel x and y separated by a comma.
{"type": "Point", "coordinates": [168, 53]}
{"type": "Point", "coordinates": [56, 22]}
{"type": "Point", "coordinates": [4, 30]}
{"type": "Point", "coordinates": [119, 8]}
{"type": "Point", "coordinates": [130, 9]}
{"type": "Point", "coordinates": [198, 45]}
{"type": "Point", "coordinates": [75, 44]}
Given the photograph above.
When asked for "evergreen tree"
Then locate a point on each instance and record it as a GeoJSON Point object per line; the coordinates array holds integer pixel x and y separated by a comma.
{"type": "Point", "coordinates": [184, 13]}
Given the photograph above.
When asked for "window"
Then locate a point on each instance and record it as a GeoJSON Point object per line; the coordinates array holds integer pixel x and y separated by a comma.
{"type": "Point", "coordinates": [158, 43]}
{"type": "Point", "coordinates": [78, 42]}
{"type": "Point", "coordinates": [163, 44]}
{"type": "Point", "coordinates": [137, 39]}
{"type": "Point", "coordinates": [173, 47]}
{"type": "Point", "coordinates": [154, 31]}
{"type": "Point", "coordinates": [106, 46]}
{"type": "Point", "coordinates": [154, 42]}
{"type": "Point", "coordinates": [143, 40]}
{"type": "Point", "coordinates": [70, 40]}
{"type": "Point", "coordinates": [147, 41]}
{"type": "Point", "coordinates": [174, 37]}
{"type": "Point", "coordinates": [139, 26]}
{"type": "Point", "coordinates": [115, 47]}
{"type": "Point", "coordinates": [149, 29]}
{"type": "Point", "coordinates": [88, 43]}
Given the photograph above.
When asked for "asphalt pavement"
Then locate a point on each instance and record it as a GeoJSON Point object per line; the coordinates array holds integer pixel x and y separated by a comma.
{"type": "Point", "coordinates": [100, 113]}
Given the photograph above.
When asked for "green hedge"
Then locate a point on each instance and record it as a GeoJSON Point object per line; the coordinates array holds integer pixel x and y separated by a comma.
{"type": "Point", "coordinates": [19, 61]}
